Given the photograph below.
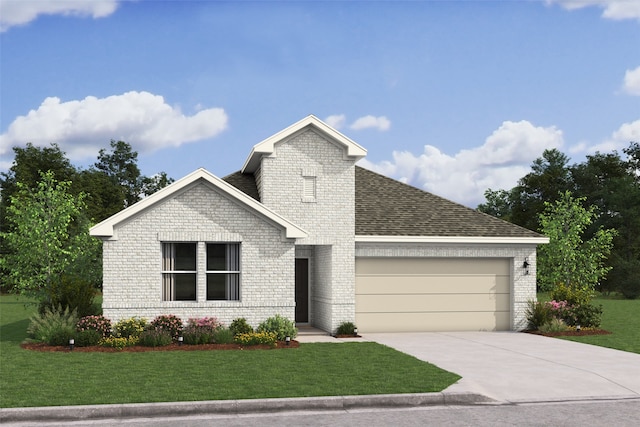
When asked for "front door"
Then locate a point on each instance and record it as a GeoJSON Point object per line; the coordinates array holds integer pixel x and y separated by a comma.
{"type": "Point", "coordinates": [302, 290]}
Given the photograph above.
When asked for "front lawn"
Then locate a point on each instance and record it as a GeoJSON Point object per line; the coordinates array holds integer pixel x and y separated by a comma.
{"type": "Point", "coordinates": [621, 317]}
{"type": "Point", "coordinates": [30, 378]}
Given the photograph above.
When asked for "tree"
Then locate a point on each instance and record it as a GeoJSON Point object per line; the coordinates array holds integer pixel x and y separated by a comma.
{"type": "Point", "coordinates": [499, 204]}
{"type": "Point", "coordinates": [49, 237]}
{"type": "Point", "coordinates": [121, 166]}
{"type": "Point", "coordinates": [567, 259]}
{"type": "Point", "coordinates": [549, 177]}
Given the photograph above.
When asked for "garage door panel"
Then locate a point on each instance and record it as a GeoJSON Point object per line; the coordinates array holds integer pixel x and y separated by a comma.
{"type": "Point", "coordinates": [456, 266]}
{"type": "Point", "coordinates": [414, 284]}
{"type": "Point", "coordinates": [432, 294]}
{"type": "Point", "coordinates": [432, 322]}
{"type": "Point", "coordinates": [430, 303]}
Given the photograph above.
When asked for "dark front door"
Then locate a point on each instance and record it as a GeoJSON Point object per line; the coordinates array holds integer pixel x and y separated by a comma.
{"type": "Point", "coordinates": [302, 290]}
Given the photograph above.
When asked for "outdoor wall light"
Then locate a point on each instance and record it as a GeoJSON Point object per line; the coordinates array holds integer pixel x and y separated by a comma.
{"type": "Point", "coordinates": [525, 265]}
{"type": "Point", "coordinates": [180, 340]}
{"type": "Point", "coordinates": [72, 343]}
{"type": "Point", "coordinates": [287, 339]}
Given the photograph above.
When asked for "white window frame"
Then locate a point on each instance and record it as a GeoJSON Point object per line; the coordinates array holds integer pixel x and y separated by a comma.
{"type": "Point", "coordinates": [168, 271]}
{"type": "Point", "coordinates": [232, 274]}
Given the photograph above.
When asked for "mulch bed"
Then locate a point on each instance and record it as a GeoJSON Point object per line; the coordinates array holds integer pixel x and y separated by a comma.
{"type": "Point", "coordinates": [347, 336]}
{"type": "Point", "coordinates": [171, 347]}
{"type": "Point", "coordinates": [582, 333]}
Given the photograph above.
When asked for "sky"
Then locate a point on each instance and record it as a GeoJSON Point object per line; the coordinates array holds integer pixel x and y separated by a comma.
{"type": "Point", "coordinates": [453, 97]}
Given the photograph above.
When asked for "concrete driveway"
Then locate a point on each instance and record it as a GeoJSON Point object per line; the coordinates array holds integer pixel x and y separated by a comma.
{"type": "Point", "coordinates": [519, 367]}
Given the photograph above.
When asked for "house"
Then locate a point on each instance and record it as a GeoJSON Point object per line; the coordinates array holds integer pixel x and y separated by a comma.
{"type": "Point", "coordinates": [303, 232]}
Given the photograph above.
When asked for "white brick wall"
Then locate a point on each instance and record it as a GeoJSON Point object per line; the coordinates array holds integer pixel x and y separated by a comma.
{"type": "Point", "coordinates": [523, 286]}
{"type": "Point", "coordinates": [329, 219]}
{"type": "Point", "coordinates": [132, 278]}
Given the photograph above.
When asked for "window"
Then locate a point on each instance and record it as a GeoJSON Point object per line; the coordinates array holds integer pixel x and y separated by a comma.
{"type": "Point", "coordinates": [223, 271]}
{"type": "Point", "coordinates": [179, 271]}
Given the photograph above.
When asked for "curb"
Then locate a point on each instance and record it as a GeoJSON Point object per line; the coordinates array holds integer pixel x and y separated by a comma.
{"type": "Point", "coordinates": [237, 407]}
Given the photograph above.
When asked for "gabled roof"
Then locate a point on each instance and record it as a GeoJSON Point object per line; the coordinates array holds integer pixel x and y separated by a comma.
{"type": "Point", "coordinates": [389, 210]}
{"type": "Point", "coordinates": [105, 229]}
{"type": "Point", "coordinates": [245, 182]}
{"type": "Point", "coordinates": [266, 147]}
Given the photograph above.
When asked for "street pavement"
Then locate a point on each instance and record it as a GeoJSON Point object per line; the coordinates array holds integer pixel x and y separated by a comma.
{"type": "Point", "coordinates": [497, 368]}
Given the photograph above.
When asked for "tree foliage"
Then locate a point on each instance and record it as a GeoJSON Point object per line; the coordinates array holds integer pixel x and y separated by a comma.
{"type": "Point", "coordinates": [568, 259]}
{"type": "Point", "coordinates": [49, 235]}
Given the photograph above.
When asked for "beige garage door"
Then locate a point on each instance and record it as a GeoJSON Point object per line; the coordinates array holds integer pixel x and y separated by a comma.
{"type": "Point", "coordinates": [432, 294]}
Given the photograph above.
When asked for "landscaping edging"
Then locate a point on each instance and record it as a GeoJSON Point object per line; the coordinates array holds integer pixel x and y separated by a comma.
{"type": "Point", "coordinates": [171, 347]}
{"type": "Point", "coordinates": [236, 407]}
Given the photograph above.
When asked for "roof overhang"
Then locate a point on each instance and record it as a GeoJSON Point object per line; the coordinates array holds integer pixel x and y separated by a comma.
{"type": "Point", "coordinates": [105, 229]}
{"type": "Point", "coordinates": [455, 240]}
{"type": "Point", "coordinates": [267, 147]}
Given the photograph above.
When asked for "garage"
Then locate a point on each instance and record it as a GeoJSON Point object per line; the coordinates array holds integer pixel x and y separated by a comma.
{"type": "Point", "coordinates": [433, 294]}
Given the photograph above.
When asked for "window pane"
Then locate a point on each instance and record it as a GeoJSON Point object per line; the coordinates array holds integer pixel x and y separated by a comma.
{"type": "Point", "coordinates": [184, 287]}
{"type": "Point", "coordinates": [216, 287]}
{"type": "Point", "coordinates": [185, 257]}
{"type": "Point", "coordinates": [216, 257]}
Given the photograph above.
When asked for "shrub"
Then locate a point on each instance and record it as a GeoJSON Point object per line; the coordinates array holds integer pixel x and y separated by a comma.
{"type": "Point", "coordinates": [155, 337]}
{"type": "Point", "coordinates": [240, 326]}
{"type": "Point", "coordinates": [555, 325]}
{"type": "Point", "coordinates": [88, 337]}
{"type": "Point", "coordinates": [257, 338]}
{"type": "Point", "coordinates": [119, 342]}
{"type": "Point", "coordinates": [54, 326]}
{"type": "Point", "coordinates": [72, 292]}
{"type": "Point", "coordinates": [205, 322]}
{"type": "Point", "coordinates": [131, 327]}
{"type": "Point", "coordinates": [169, 323]}
{"type": "Point", "coordinates": [586, 315]}
{"type": "Point", "coordinates": [538, 314]}
{"type": "Point", "coordinates": [281, 326]}
{"type": "Point", "coordinates": [195, 335]}
{"type": "Point", "coordinates": [100, 324]}
{"type": "Point", "coordinates": [223, 336]}
{"type": "Point", "coordinates": [346, 328]}
{"type": "Point", "coordinates": [571, 294]}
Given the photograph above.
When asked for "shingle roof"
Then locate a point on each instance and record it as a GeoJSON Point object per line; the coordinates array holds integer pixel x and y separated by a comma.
{"type": "Point", "coordinates": [244, 182]}
{"type": "Point", "coordinates": [386, 207]}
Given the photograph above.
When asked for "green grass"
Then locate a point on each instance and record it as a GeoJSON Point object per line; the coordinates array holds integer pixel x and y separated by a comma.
{"type": "Point", "coordinates": [621, 317]}
{"type": "Point", "coordinates": [30, 378]}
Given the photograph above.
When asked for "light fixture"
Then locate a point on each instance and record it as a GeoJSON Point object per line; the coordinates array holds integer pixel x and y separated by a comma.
{"type": "Point", "coordinates": [287, 339]}
{"type": "Point", "coordinates": [577, 328]}
{"type": "Point", "coordinates": [355, 332]}
{"type": "Point", "coordinates": [180, 340]}
{"type": "Point", "coordinates": [72, 343]}
{"type": "Point", "coordinates": [525, 265]}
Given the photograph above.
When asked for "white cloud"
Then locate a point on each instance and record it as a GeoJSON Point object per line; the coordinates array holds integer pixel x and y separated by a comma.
{"type": "Point", "coordinates": [21, 12]}
{"type": "Point", "coordinates": [503, 159]}
{"type": "Point", "coordinates": [613, 9]}
{"type": "Point", "coordinates": [380, 123]}
{"type": "Point", "coordinates": [82, 127]}
{"type": "Point", "coordinates": [632, 82]}
{"type": "Point", "coordinates": [336, 121]}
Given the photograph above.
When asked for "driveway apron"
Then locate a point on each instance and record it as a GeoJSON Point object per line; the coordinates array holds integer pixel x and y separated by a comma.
{"type": "Point", "coordinates": [520, 367]}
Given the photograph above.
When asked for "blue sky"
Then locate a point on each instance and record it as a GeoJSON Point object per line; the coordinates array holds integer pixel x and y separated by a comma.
{"type": "Point", "coordinates": [453, 97]}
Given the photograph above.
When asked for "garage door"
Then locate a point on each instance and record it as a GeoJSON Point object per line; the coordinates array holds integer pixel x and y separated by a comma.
{"type": "Point", "coordinates": [432, 294]}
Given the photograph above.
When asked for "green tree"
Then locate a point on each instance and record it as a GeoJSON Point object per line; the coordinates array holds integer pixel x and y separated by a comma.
{"type": "Point", "coordinates": [121, 166]}
{"type": "Point", "coordinates": [567, 259]}
{"type": "Point", "coordinates": [499, 203]}
{"type": "Point", "coordinates": [549, 177]}
{"type": "Point", "coordinates": [49, 237]}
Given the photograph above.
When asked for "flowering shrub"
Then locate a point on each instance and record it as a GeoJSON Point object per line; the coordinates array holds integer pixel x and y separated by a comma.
{"type": "Point", "coordinates": [201, 330]}
{"type": "Point", "coordinates": [119, 342]}
{"type": "Point", "coordinates": [279, 325]}
{"type": "Point", "coordinates": [257, 338]}
{"type": "Point", "coordinates": [240, 326]}
{"type": "Point", "coordinates": [100, 324]}
{"type": "Point", "coordinates": [132, 327]}
{"type": "Point", "coordinates": [168, 323]}
{"type": "Point", "coordinates": [561, 310]}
